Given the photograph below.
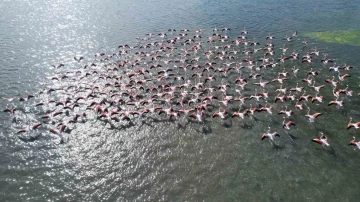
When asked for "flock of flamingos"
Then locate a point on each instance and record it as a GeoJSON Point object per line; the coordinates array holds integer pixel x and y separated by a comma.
{"type": "Point", "coordinates": [193, 76]}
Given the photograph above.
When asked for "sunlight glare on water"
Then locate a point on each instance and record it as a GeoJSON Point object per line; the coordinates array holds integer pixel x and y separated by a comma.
{"type": "Point", "coordinates": [162, 159]}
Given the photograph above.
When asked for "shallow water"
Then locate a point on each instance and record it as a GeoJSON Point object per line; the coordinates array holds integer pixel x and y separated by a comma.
{"type": "Point", "coordinates": [172, 160]}
{"type": "Point", "coordinates": [348, 37]}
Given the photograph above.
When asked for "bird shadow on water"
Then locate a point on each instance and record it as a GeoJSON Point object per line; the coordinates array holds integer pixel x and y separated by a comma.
{"type": "Point", "coordinates": [181, 126]}
{"type": "Point", "coordinates": [126, 126]}
{"type": "Point", "coordinates": [227, 123]}
{"type": "Point", "coordinates": [29, 139]}
{"type": "Point", "coordinates": [246, 126]}
{"type": "Point", "coordinates": [144, 123]}
{"type": "Point", "coordinates": [255, 119]}
{"type": "Point", "coordinates": [274, 199]}
{"type": "Point", "coordinates": [331, 151]}
{"type": "Point", "coordinates": [205, 129]}
{"type": "Point", "coordinates": [157, 120]}
{"type": "Point", "coordinates": [292, 137]}
{"type": "Point", "coordinates": [277, 146]}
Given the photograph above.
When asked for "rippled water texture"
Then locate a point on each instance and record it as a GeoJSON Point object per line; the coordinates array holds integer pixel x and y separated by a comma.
{"type": "Point", "coordinates": [171, 160]}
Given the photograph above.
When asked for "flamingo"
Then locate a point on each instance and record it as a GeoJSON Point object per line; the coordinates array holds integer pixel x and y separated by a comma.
{"type": "Point", "coordinates": [336, 102]}
{"type": "Point", "coordinates": [356, 144]}
{"type": "Point", "coordinates": [298, 106]}
{"type": "Point", "coordinates": [281, 90]}
{"type": "Point", "coordinates": [240, 114]}
{"type": "Point", "coordinates": [287, 125]}
{"type": "Point", "coordinates": [342, 77]}
{"type": "Point", "coordinates": [265, 95]}
{"type": "Point", "coordinates": [252, 110]}
{"type": "Point", "coordinates": [262, 83]}
{"type": "Point", "coordinates": [221, 114]}
{"type": "Point", "coordinates": [29, 128]}
{"type": "Point", "coordinates": [312, 117]}
{"type": "Point", "coordinates": [287, 113]}
{"type": "Point", "coordinates": [318, 98]}
{"type": "Point", "coordinates": [281, 98]}
{"type": "Point", "coordinates": [355, 125]}
{"type": "Point", "coordinates": [332, 81]}
{"type": "Point", "coordinates": [269, 135]}
{"type": "Point", "coordinates": [304, 97]}
{"type": "Point", "coordinates": [288, 38]}
{"type": "Point", "coordinates": [325, 61]}
{"type": "Point", "coordinates": [257, 97]}
{"type": "Point", "coordinates": [290, 97]}
{"type": "Point", "coordinates": [313, 73]}
{"type": "Point", "coordinates": [323, 140]}
{"type": "Point", "coordinates": [58, 131]}
{"type": "Point", "coordinates": [317, 88]}
{"type": "Point", "coordinates": [308, 80]}
{"type": "Point", "coordinates": [267, 109]}
{"type": "Point", "coordinates": [295, 70]}
{"type": "Point", "coordinates": [347, 67]}
{"type": "Point", "coordinates": [269, 37]}
{"type": "Point", "coordinates": [198, 116]}
{"type": "Point", "coordinates": [297, 88]}
{"type": "Point", "coordinates": [280, 80]}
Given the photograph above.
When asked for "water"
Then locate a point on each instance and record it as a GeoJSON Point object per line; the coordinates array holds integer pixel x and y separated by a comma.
{"type": "Point", "coordinates": [170, 161]}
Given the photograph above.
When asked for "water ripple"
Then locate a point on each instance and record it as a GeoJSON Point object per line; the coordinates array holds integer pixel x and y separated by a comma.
{"type": "Point", "coordinates": [165, 161]}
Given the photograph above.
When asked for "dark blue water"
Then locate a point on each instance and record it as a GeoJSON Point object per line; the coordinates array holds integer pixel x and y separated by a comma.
{"type": "Point", "coordinates": [170, 161]}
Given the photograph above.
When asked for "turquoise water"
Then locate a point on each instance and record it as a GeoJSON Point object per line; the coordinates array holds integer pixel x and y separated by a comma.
{"type": "Point", "coordinates": [220, 160]}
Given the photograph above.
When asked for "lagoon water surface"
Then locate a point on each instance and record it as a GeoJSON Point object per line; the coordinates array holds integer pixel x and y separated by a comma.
{"type": "Point", "coordinates": [168, 160]}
